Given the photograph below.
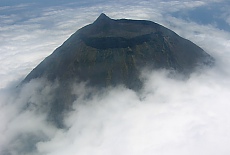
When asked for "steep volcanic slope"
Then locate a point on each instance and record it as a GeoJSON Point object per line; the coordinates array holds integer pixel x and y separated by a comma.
{"type": "Point", "coordinates": [110, 52]}
{"type": "Point", "coordinates": [113, 51]}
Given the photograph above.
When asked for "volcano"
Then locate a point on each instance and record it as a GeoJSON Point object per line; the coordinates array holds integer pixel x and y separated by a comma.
{"type": "Point", "coordinates": [110, 52]}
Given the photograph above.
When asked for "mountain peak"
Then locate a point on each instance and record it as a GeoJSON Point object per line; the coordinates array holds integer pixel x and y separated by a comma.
{"type": "Point", "coordinates": [102, 17]}
{"type": "Point", "coordinates": [107, 45]}
{"type": "Point", "coordinates": [113, 52]}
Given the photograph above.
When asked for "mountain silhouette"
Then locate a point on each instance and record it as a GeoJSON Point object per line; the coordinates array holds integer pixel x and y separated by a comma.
{"type": "Point", "coordinates": [109, 52]}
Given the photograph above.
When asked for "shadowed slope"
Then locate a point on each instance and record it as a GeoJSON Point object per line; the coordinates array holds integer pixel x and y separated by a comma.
{"type": "Point", "coordinates": [110, 52]}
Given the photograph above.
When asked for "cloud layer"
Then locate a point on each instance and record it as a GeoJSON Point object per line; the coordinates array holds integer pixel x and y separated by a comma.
{"type": "Point", "coordinates": [169, 116]}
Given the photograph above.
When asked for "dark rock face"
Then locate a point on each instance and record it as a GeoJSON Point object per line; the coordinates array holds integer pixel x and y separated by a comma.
{"type": "Point", "coordinates": [111, 52]}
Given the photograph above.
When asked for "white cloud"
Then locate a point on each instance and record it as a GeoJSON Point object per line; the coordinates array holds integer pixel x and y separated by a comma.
{"type": "Point", "coordinates": [169, 116]}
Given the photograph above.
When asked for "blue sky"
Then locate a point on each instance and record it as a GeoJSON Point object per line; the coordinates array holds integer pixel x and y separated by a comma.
{"type": "Point", "coordinates": [169, 116]}
{"type": "Point", "coordinates": [213, 14]}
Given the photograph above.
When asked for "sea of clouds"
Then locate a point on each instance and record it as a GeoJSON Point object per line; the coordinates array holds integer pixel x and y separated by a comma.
{"type": "Point", "coordinates": [168, 116]}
